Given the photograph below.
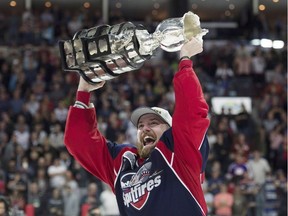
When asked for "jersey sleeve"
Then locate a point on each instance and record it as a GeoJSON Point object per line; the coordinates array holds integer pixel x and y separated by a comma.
{"type": "Point", "coordinates": [87, 145]}
{"type": "Point", "coordinates": [190, 117]}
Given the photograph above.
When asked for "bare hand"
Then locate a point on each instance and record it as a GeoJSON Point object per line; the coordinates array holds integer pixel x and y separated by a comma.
{"type": "Point", "coordinates": [191, 48]}
{"type": "Point", "coordinates": [85, 86]}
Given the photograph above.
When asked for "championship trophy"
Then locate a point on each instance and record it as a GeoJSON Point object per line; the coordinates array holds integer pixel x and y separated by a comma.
{"type": "Point", "coordinates": [104, 52]}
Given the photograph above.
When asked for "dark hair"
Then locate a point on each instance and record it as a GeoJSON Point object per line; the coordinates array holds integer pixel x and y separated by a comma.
{"type": "Point", "coordinates": [6, 204]}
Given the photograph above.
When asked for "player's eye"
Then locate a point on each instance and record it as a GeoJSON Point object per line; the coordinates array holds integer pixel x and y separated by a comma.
{"type": "Point", "coordinates": [153, 123]}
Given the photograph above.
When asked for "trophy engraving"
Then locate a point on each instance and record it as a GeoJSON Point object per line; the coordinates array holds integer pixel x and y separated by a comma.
{"type": "Point", "coordinates": [104, 52]}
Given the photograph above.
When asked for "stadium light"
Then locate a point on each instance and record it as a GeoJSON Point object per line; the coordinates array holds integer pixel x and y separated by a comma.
{"type": "Point", "coordinates": [266, 43]}
{"type": "Point", "coordinates": [278, 44]}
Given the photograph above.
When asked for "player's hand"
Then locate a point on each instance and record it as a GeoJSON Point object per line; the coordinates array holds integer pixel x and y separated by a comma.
{"type": "Point", "coordinates": [191, 48]}
{"type": "Point", "coordinates": [85, 86]}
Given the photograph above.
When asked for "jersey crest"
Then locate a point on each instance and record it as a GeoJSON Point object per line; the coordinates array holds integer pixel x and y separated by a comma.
{"type": "Point", "coordinates": [137, 186]}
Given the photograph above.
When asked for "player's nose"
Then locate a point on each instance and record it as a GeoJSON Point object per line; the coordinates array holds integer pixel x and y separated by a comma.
{"type": "Point", "coordinates": [146, 127]}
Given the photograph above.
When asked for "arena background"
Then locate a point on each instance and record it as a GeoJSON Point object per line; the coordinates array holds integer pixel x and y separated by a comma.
{"type": "Point", "coordinates": [243, 70]}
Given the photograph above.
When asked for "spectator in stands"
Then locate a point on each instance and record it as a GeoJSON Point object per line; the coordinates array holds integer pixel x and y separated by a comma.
{"type": "Point", "coordinates": [92, 195]}
{"type": "Point", "coordinates": [56, 136]}
{"type": "Point", "coordinates": [71, 182]}
{"type": "Point", "coordinates": [240, 146]}
{"type": "Point", "coordinates": [22, 132]}
{"type": "Point", "coordinates": [4, 103]}
{"type": "Point", "coordinates": [209, 198]}
{"type": "Point", "coordinates": [258, 167]}
{"type": "Point", "coordinates": [30, 65]}
{"type": "Point", "coordinates": [242, 62]}
{"type": "Point", "coordinates": [109, 206]}
{"type": "Point", "coordinates": [215, 180]}
{"type": "Point", "coordinates": [10, 170]}
{"type": "Point", "coordinates": [223, 202]}
{"type": "Point", "coordinates": [61, 111]}
{"type": "Point", "coordinates": [258, 65]}
{"type": "Point", "coordinates": [282, 186]}
{"type": "Point", "coordinates": [27, 27]}
{"type": "Point", "coordinates": [237, 169]}
{"type": "Point", "coordinates": [75, 24]}
{"type": "Point", "coordinates": [17, 183]}
{"type": "Point", "coordinates": [226, 130]}
{"type": "Point", "coordinates": [57, 95]}
{"type": "Point", "coordinates": [9, 151]}
{"type": "Point", "coordinates": [18, 202]}
{"type": "Point", "coordinates": [270, 122]}
{"type": "Point", "coordinates": [112, 127]}
{"type": "Point", "coordinates": [81, 176]}
{"type": "Point", "coordinates": [243, 121]}
{"type": "Point", "coordinates": [224, 75]}
{"type": "Point", "coordinates": [276, 144]}
{"type": "Point", "coordinates": [36, 198]}
{"type": "Point", "coordinates": [32, 104]}
{"type": "Point", "coordinates": [42, 181]}
{"type": "Point", "coordinates": [4, 206]}
{"type": "Point", "coordinates": [270, 193]}
{"type": "Point", "coordinates": [220, 151]}
{"type": "Point", "coordinates": [56, 173]}
{"type": "Point", "coordinates": [47, 149]}
{"type": "Point", "coordinates": [38, 135]}
{"type": "Point", "coordinates": [17, 101]}
{"type": "Point", "coordinates": [252, 193]}
{"type": "Point", "coordinates": [55, 204]}
{"type": "Point", "coordinates": [66, 159]}
{"type": "Point", "coordinates": [71, 200]}
{"type": "Point", "coordinates": [238, 208]}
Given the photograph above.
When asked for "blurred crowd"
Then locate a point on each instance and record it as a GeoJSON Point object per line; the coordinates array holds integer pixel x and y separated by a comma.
{"type": "Point", "coordinates": [248, 160]}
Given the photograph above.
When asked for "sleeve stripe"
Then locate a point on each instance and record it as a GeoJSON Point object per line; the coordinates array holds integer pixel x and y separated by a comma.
{"type": "Point", "coordinates": [80, 104]}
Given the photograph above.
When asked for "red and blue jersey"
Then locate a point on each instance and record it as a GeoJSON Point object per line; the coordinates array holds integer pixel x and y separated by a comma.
{"type": "Point", "coordinates": [169, 181]}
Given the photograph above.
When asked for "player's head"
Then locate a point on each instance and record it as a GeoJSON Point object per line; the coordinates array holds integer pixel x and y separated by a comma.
{"type": "Point", "coordinates": [151, 123]}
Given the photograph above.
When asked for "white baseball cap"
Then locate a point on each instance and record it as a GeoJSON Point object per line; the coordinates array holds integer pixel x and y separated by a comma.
{"type": "Point", "coordinates": [162, 113]}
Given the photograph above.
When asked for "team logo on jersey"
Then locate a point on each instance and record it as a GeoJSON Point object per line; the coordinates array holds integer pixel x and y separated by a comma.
{"type": "Point", "coordinates": [136, 187]}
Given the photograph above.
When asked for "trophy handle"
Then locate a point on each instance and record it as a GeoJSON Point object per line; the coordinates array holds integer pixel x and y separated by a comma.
{"type": "Point", "coordinates": [103, 52]}
{"type": "Point", "coordinates": [86, 72]}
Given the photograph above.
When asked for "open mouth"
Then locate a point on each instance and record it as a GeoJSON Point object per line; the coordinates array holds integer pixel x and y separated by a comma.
{"type": "Point", "coordinates": [148, 140]}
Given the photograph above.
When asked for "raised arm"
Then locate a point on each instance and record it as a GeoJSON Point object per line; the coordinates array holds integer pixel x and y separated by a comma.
{"type": "Point", "coordinates": [82, 137]}
{"type": "Point", "coordinates": [190, 121]}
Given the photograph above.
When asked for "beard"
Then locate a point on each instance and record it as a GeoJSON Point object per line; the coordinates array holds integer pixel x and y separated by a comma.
{"type": "Point", "coordinates": [145, 148]}
{"type": "Point", "coordinates": [145, 151]}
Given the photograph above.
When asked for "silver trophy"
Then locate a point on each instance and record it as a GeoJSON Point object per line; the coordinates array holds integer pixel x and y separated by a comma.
{"type": "Point", "coordinates": [104, 52]}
